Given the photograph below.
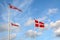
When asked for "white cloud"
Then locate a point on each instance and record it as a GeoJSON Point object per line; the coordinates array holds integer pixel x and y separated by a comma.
{"type": "Point", "coordinates": [12, 36]}
{"type": "Point", "coordinates": [4, 27]}
{"type": "Point", "coordinates": [57, 32]}
{"type": "Point", "coordinates": [32, 34]}
{"type": "Point", "coordinates": [55, 24]}
{"type": "Point", "coordinates": [52, 10]}
{"type": "Point", "coordinates": [56, 27]}
{"type": "Point", "coordinates": [29, 22]}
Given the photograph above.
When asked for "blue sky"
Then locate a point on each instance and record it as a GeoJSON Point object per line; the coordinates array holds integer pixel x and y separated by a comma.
{"type": "Point", "coordinates": [45, 10]}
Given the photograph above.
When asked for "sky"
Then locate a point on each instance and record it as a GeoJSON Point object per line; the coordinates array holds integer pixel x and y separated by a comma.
{"type": "Point", "coordinates": [47, 11]}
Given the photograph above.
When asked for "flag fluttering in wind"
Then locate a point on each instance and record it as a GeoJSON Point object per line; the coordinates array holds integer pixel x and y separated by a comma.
{"type": "Point", "coordinates": [39, 24]}
{"type": "Point", "coordinates": [13, 7]}
{"type": "Point", "coordinates": [13, 24]}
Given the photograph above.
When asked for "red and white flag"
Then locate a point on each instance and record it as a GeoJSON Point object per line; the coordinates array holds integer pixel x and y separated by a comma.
{"type": "Point", "coordinates": [39, 24]}
{"type": "Point", "coordinates": [13, 24]}
{"type": "Point", "coordinates": [13, 7]}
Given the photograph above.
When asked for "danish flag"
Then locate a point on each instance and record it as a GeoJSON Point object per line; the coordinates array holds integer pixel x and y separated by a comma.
{"type": "Point", "coordinates": [39, 24]}
{"type": "Point", "coordinates": [13, 24]}
{"type": "Point", "coordinates": [13, 7]}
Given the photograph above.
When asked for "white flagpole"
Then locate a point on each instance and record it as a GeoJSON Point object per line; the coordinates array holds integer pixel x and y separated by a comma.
{"type": "Point", "coordinates": [34, 28]}
{"type": "Point", "coordinates": [8, 24]}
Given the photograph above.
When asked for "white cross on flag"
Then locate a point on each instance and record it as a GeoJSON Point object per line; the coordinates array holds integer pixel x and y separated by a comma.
{"type": "Point", "coordinates": [39, 24]}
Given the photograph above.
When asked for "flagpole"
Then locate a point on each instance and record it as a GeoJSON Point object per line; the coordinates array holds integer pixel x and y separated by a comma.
{"type": "Point", "coordinates": [34, 24]}
{"type": "Point", "coordinates": [9, 24]}
{"type": "Point", "coordinates": [34, 28]}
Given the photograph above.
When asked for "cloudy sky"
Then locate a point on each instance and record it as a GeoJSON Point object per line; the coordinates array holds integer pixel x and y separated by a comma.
{"type": "Point", "coordinates": [47, 11]}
